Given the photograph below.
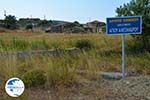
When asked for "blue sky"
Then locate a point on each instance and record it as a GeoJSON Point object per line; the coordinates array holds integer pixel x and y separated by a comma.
{"type": "Point", "coordinates": [68, 10]}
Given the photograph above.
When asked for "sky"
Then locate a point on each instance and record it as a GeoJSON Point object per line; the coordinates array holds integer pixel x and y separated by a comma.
{"type": "Point", "coordinates": [67, 10]}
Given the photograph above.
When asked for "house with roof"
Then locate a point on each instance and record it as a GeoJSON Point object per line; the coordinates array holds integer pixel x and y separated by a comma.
{"type": "Point", "coordinates": [65, 27]}
{"type": "Point", "coordinates": [76, 27]}
{"type": "Point", "coordinates": [95, 26]}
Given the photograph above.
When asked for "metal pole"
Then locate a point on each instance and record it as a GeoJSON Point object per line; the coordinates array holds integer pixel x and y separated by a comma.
{"type": "Point", "coordinates": [123, 56]}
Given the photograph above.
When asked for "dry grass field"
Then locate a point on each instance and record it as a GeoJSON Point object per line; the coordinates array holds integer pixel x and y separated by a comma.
{"type": "Point", "coordinates": [61, 74]}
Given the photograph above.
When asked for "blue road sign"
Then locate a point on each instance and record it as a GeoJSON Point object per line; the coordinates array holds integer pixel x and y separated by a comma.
{"type": "Point", "coordinates": [124, 25]}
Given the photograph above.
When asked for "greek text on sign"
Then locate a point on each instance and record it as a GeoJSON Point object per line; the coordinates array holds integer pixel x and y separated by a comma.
{"type": "Point", "coordinates": [124, 25]}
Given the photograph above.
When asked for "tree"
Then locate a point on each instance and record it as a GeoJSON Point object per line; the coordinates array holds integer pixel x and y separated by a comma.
{"type": "Point", "coordinates": [44, 23]}
{"type": "Point", "coordinates": [11, 22]}
{"type": "Point", "coordinates": [29, 27]}
{"type": "Point", "coordinates": [142, 8]}
{"type": "Point", "coordinates": [76, 23]}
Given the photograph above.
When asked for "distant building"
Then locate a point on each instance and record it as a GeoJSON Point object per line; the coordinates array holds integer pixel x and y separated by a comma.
{"type": "Point", "coordinates": [64, 27]}
{"type": "Point", "coordinates": [95, 26]}
{"type": "Point", "coordinates": [87, 28]}
{"type": "Point", "coordinates": [54, 28]}
{"type": "Point", "coordinates": [91, 27]}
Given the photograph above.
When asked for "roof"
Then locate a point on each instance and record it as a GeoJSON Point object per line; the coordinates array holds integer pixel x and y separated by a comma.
{"type": "Point", "coordinates": [62, 24]}
{"type": "Point", "coordinates": [96, 22]}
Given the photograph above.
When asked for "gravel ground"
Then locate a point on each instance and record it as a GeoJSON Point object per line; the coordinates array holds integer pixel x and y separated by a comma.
{"type": "Point", "coordinates": [132, 88]}
{"type": "Point", "coordinates": [137, 88]}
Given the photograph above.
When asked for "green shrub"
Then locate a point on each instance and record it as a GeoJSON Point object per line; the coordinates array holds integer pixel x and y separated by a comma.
{"type": "Point", "coordinates": [83, 44]}
{"type": "Point", "coordinates": [29, 26]}
{"type": "Point", "coordinates": [34, 78]}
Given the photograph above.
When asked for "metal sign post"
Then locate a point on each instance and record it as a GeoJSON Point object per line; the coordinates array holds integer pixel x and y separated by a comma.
{"type": "Point", "coordinates": [123, 56]}
{"type": "Point", "coordinates": [123, 26]}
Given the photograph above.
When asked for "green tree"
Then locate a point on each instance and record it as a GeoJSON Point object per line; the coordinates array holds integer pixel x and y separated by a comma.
{"type": "Point", "coordinates": [142, 8]}
{"type": "Point", "coordinates": [29, 27]}
{"type": "Point", "coordinates": [76, 23]}
{"type": "Point", "coordinates": [11, 22]}
{"type": "Point", "coordinates": [44, 23]}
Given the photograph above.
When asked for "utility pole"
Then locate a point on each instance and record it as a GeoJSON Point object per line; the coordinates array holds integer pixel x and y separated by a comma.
{"type": "Point", "coordinates": [89, 19]}
{"type": "Point", "coordinates": [5, 13]}
{"type": "Point", "coordinates": [30, 16]}
{"type": "Point", "coordinates": [44, 17]}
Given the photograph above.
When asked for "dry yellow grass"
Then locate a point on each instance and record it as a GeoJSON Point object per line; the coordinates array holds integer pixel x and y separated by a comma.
{"type": "Point", "coordinates": [63, 70]}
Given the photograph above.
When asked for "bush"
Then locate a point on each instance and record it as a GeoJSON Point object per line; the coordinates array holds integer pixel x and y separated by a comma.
{"type": "Point", "coordinates": [11, 22]}
{"type": "Point", "coordinates": [83, 44]}
{"type": "Point", "coordinates": [29, 27]}
{"type": "Point", "coordinates": [34, 78]}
